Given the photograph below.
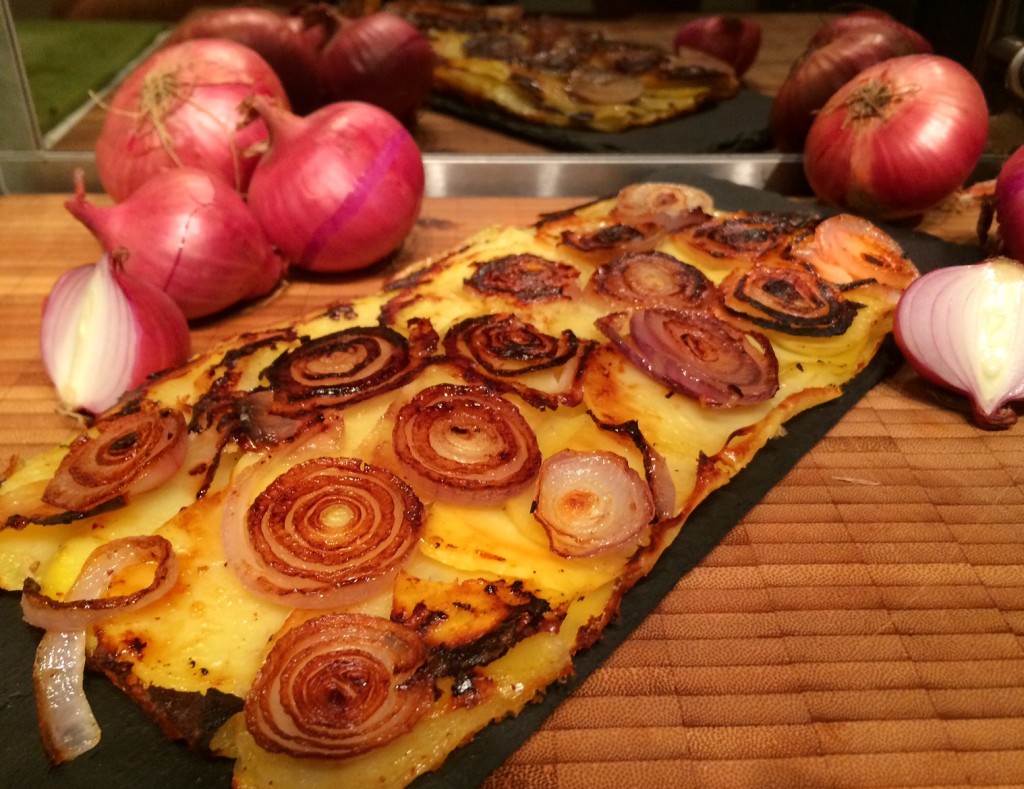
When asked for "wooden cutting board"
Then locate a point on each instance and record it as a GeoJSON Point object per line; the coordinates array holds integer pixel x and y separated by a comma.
{"type": "Point", "coordinates": [862, 626]}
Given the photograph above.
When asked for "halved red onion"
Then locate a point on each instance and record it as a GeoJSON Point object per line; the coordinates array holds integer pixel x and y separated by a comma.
{"type": "Point", "coordinates": [499, 349]}
{"type": "Point", "coordinates": [962, 328]}
{"type": "Point", "coordinates": [327, 532]}
{"type": "Point", "coordinates": [791, 299]}
{"type": "Point", "coordinates": [654, 279]}
{"type": "Point", "coordinates": [133, 451]}
{"type": "Point", "coordinates": [466, 444]}
{"type": "Point", "coordinates": [338, 685]}
{"type": "Point", "coordinates": [697, 354]}
{"type": "Point", "coordinates": [591, 503]}
{"type": "Point", "coordinates": [66, 723]}
{"type": "Point", "coordinates": [525, 277]}
{"type": "Point", "coordinates": [99, 318]}
{"type": "Point", "coordinates": [348, 366]}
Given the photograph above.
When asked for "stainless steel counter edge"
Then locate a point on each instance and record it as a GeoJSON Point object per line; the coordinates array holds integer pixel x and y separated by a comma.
{"type": "Point", "coordinates": [490, 175]}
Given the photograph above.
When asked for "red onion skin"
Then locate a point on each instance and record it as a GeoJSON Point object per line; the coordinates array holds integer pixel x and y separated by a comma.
{"type": "Point", "coordinates": [191, 234]}
{"type": "Point", "coordinates": [157, 315]}
{"type": "Point", "coordinates": [818, 73]}
{"type": "Point", "coordinates": [913, 153]}
{"type": "Point", "coordinates": [279, 39]}
{"type": "Point", "coordinates": [731, 39]}
{"type": "Point", "coordinates": [864, 21]}
{"type": "Point", "coordinates": [1009, 203]}
{"type": "Point", "coordinates": [211, 128]}
{"type": "Point", "coordinates": [380, 59]}
{"type": "Point", "coordinates": [339, 189]}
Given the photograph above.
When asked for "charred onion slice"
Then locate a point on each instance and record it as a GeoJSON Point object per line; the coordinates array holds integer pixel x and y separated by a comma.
{"type": "Point", "coordinates": [752, 236]}
{"type": "Point", "coordinates": [132, 452]}
{"type": "Point", "coordinates": [791, 299]}
{"type": "Point", "coordinates": [326, 532]}
{"type": "Point", "coordinates": [336, 686]}
{"type": "Point", "coordinates": [66, 723]}
{"type": "Point", "coordinates": [465, 444]}
{"type": "Point", "coordinates": [525, 277]}
{"type": "Point", "coordinates": [654, 279]}
{"type": "Point", "coordinates": [348, 366]}
{"type": "Point", "coordinates": [591, 503]}
{"type": "Point", "coordinates": [500, 348]}
{"type": "Point", "coordinates": [697, 354]}
{"type": "Point", "coordinates": [847, 248]}
{"type": "Point", "coordinates": [606, 238]}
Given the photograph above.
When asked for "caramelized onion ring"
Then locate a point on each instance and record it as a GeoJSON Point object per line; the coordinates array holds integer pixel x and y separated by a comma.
{"type": "Point", "coordinates": [847, 248]}
{"type": "Point", "coordinates": [791, 299]}
{"type": "Point", "coordinates": [753, 236]}
{"type": "Point", "coordinates": [465, 444]}
{"type": "Point", "coordinates": [591, 503]}
{"type": "Point", "coordinates": [654, 279]}
{"type": "Point", "coordinates": [525, 277]}
{"type": "Point", "coordinates": [66, 723]}
{"type": "Point", "coordinates": [643, 214]}
{"type": "Point", "coordinates": [326, 532]}
{"type": "Point", "coordinates": [133, 451]}
{"type": "Point", "coordinates": [500, 349]}
{"type": "Point", "coordinates": [697, 355]}
{"type": "Point", "coordinates": [348, 366]}
{"type": "Point", "coordinates": [336, 686]}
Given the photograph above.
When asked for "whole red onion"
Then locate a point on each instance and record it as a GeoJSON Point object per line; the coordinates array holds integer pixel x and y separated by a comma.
{"type": "Point", "coordinates": [898, 138]}
{"type": "Point", "coordinates": [1009, 203]}
{"type": "Point", "coordinates": [865, 21]}
{"type": "Point", "coordinates": [820, 72]}
{"type": "Point", "coordinates": [186, 105]}
{"type": "Point", "coordinates": [731, 39]}
{"type": "Point", "coordinates": [279, 39]}
{"type": "Point", "coordinates": [380, 59]}
{"type": "Point", "coordinates": [339, 189]}
{"type": "Point", "coordinates": [189, 233]}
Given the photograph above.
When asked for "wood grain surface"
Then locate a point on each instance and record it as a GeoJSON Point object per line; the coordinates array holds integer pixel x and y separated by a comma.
{"type": "Point", "coordinates": [863, 626]}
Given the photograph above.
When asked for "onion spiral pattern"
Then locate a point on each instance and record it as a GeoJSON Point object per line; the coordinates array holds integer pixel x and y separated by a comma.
{"type": "Point", "coordinates": [525, 277]}
{"type": "Point", "coordinates": [654, 279]}
{"type": "Point", "coordinates": [465, 444]}
{"type": "Point", "coordinates": [697, 354]}
{"type": "Point", "coordinates": [133, 451]}
{"type": "Point", "coordinates": [499, 349]}
{"type": "Point", "coordinates": [756, 235]}
{"type": "Point", "coordinates": [788, 299]}
{"type": "Point", "coordinates": [348, 366]}
{"type": "Point", "coordinates": [338, 685]}
{"type": "Point", "coordinates": [590, 503]}
{"type": "Point", "coordinates": [326, 532]}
